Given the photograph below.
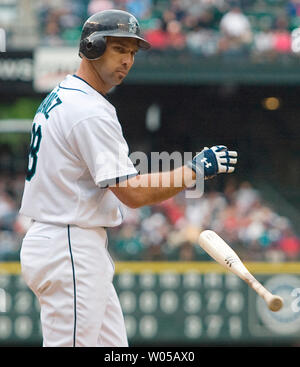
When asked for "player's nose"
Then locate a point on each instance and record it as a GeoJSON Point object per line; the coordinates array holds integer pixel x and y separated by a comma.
{"type": "Point", "coordinates": [127, 60]}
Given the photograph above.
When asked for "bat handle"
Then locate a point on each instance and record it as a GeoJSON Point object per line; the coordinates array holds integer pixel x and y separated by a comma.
{"type": "Point", "coordinates": [273, 302]}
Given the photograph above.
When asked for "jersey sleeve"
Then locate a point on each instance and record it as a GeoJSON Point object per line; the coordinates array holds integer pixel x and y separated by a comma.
{"type": "Point", "coordinates": [99, 142]}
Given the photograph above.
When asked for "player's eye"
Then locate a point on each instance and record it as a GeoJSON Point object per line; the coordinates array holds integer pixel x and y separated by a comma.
{"type": "Point", "coordinates": [120, 49]}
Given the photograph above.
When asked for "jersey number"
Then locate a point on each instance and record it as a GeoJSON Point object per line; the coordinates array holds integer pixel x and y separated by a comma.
{"type": "Point", "coordinates": [36, 137]}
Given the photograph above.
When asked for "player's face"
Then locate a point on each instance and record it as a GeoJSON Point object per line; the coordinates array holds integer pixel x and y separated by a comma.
{"type": "Point", "coordinates": [117, 60]}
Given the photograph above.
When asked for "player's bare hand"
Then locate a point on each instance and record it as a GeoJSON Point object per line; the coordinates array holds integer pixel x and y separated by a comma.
{"type": "Point", "coordinates": [212, 161]}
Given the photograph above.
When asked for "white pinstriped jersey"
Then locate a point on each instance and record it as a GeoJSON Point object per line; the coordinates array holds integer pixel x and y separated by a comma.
{"type": "Point", "coordinates": [77, 146]}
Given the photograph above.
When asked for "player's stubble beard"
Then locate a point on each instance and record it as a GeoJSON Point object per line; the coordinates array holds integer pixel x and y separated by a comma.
{"type": "Point", "coordinates": [105, 84]}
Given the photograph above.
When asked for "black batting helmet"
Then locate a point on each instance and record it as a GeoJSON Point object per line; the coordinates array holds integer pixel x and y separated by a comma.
{"type": "Point", "coordinates": [114, 23]}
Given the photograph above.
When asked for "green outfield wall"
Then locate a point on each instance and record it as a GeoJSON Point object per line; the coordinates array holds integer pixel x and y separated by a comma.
{"type": "Point", "coordinates": [175, 303]}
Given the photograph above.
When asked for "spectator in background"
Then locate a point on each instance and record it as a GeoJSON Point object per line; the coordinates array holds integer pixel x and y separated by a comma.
{"type": "Point", "coordinates": [139, 8]}
{"type": "Point", "coordinates": [281, 36]}
{"type": "Point", "coordinates": [236, 33]}
{"type": "Point", "coordinates": [52, 34]}
{"type": "Point", "coordinates": [177, 8]}
{"type": "Point", "coordinates": [293, 8]}
{"type": "Point", "coordinates": [246, 197]}
{"type": "Point", "coordinates": [199, 23]}
{"type": "Point", "coordinates": [263, 43]}
{"type": "Point", "coordinates": [175, 36]}
{"type": "Point", "coordinates": [120, 4]}
{"type": "Point", "coordinates": [60, 22]}
{"type": "Point", "coordinates": [157, 36]}
{"type": "Point", "coordinates": [169, 230]}
{"type": "Point", "coordinates": [8, 210]}
{"type": "Point", "coordinates": [128, 243]}
{"type": "Point", "coordinates": [9, 238]}
{"type": "Point", "coordinates": [179, 24]}
{"type": "Point", "coordinates": [95, 6]}
{"type": "Point", "coordinates": [173, 211]}
{"type": "Point", "coordinates": [202, 42]}
{"type": "Point", "coordinates": [289, 244]}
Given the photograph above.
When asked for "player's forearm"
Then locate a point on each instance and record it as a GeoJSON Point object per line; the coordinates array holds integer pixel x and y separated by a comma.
{"type": "Point", "coordinates": [151, 188]}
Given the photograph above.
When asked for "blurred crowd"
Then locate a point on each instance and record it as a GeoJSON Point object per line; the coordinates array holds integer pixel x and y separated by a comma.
{"type": "Point", "coordinates": [169, 231]}
{"type": "Point", "coordinates": [12, 226]}
{"type": "Point", "coordinates": [202, 27]}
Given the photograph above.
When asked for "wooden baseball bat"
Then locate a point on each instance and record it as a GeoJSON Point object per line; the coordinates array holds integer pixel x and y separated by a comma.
{"type": "Point", "coordinates": [219, 250]}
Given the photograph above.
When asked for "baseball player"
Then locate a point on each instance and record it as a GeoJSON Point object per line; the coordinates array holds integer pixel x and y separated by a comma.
{"type": "Point", "coordinates": [79, 177]}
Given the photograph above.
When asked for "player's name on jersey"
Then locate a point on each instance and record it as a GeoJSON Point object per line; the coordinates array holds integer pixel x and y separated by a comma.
{"type": "Point", "coordinates": [51, 101]}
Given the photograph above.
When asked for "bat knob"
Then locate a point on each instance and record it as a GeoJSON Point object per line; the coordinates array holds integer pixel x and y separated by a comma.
{"type": "Point", "coordinates": [275, 303]}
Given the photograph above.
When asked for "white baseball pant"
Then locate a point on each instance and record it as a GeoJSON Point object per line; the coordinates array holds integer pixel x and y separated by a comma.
{"type": "Point", "coordinates": [70, 271]}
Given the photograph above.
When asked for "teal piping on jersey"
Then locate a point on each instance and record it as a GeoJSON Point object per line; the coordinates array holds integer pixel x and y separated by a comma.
{"type": "Point", "coordinates": [78, 90]}
{"type": "Point", "coordinates": [78, 77]}
{"type": "Point", "coordinates": [74, 286]}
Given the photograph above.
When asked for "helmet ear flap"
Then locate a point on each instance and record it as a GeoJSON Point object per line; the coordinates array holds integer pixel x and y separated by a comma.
{"type": "Point", "coordinates": [93, 47]}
